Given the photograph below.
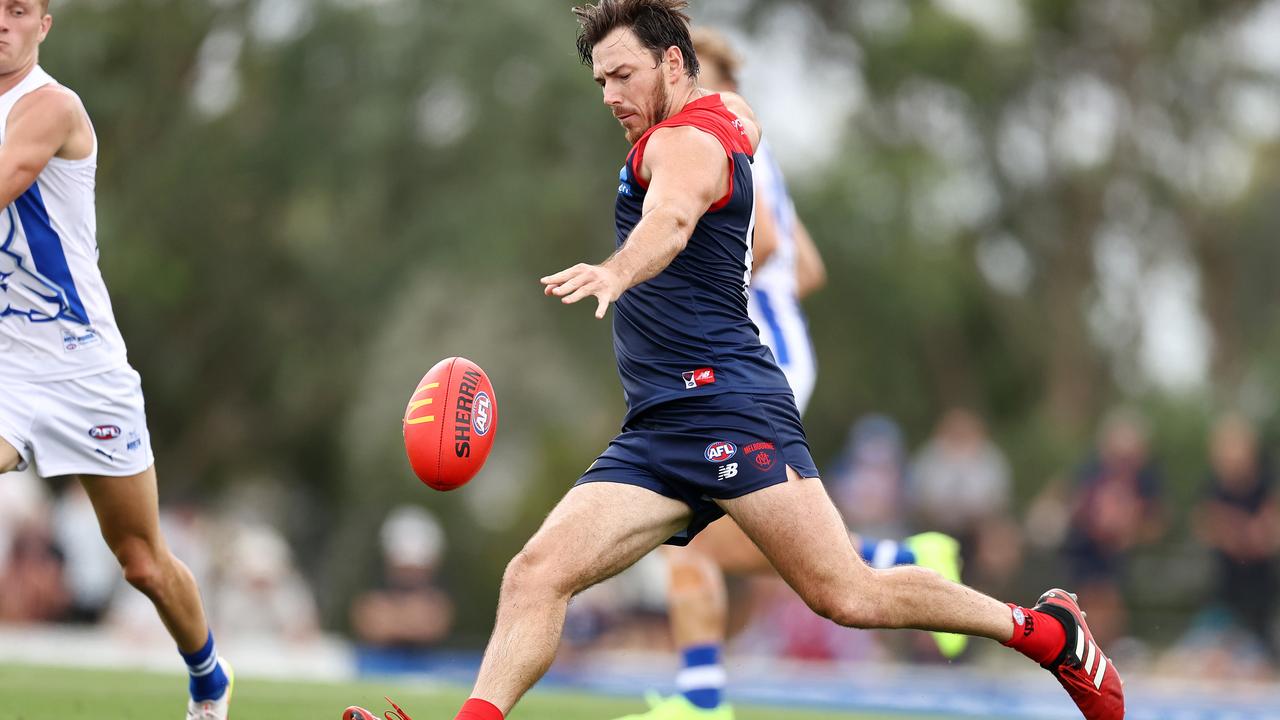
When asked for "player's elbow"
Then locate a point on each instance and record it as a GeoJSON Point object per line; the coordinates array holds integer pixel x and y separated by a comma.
{"type": "Point", "coordinates": [18, 178]}
{"type": "Point", "coordinates": [677, 221]}
{"type": "Point", "coordinates": [811, 281]}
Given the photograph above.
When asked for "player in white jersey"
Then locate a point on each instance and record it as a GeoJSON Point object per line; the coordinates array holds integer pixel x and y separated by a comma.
{"type": "Point", "coordinates": [787, 267]}
{"type": "Point", "coordinates": [70, 404]}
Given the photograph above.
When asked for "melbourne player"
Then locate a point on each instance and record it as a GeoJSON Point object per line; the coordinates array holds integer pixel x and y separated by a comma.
{"type": "Point", "coordinates": [70, 404]}
{"type": "Point", "coordinates": [711, 426]}
{"type": "Point", "coordinates": [787, 268]}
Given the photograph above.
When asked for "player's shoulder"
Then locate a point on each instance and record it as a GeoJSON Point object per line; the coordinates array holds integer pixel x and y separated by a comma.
{"type": "Point", "coordinates": [737, 105]}
{"type": "Point", "coordinates": [682, 138]}
{"type": "Point", "coordinates": [53, 101]}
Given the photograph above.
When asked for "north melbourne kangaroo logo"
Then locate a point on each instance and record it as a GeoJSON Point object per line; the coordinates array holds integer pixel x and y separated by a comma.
{"type": "Point", "coordinates": [24, 292]}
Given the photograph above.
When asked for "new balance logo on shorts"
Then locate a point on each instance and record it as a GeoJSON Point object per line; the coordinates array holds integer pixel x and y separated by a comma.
{"type": "Point", "coordinates": [727, 471]}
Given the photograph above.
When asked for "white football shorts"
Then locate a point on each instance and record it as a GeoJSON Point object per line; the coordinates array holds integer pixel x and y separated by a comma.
{"type": "Point", "coordinates": [95, 425]}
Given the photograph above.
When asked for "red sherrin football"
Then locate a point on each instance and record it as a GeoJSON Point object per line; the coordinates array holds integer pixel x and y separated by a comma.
{"type": "Point", "coordinates": [450, 423]}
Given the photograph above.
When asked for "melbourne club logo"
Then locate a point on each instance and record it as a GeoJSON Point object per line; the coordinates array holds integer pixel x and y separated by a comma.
{"type": "Point", "coordinates": [698, 378]}
{"type": "Point", "coordinates": [720, 451]}
{"type": "Point", "coordinates": [762, 454]}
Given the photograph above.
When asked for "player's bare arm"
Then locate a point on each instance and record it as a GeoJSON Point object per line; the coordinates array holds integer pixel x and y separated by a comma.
{"type": "Point", "coordinates": [811, 272]}
{"type": "Point", "coordinates": [48, 123]}
{"type": "Point", "coordinates": [687, 172]}
{"type": "Point", "coordinates": [765, 240]}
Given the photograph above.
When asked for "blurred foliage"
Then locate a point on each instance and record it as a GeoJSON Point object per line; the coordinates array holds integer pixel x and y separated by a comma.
{"type": "Point", "coordinates": [303, 204]}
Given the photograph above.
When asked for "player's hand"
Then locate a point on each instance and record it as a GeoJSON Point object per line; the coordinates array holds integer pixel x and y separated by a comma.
{"type": "Point", "coordinates": [582, 281]}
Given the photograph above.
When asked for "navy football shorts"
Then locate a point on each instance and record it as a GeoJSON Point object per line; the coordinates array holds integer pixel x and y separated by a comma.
{"type": "Point", "coordinates": [707, 448]}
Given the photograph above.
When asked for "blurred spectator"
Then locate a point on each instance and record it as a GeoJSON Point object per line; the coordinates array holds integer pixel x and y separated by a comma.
{"type": "Point", "coordinates": [409, 611]}
{"type": "Point", "coordinates": [31, 584]}
{"type": "Point", "coordinates": [960, 484]}
{"type": "Point", "coordinates": [867, 481]}
{"type": "Point", "coordinates": [31, 588]}
{"type": "Point", "coordinates": [1114, 506]}
{"type": "Point", "coordinates": [261, 595]}
{"type": "Point", "coordinates": [91, 572]}
{"type": "Point", "coordinates": [22, 500]}
{"type": "Point", "coordinates": [1239, 518]}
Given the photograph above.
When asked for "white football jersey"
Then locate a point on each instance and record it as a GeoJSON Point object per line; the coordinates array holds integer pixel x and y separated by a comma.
{"type": "Point", "coordinates": [773, 304]}
{"type": "Point", "coordinates": [55, 315]}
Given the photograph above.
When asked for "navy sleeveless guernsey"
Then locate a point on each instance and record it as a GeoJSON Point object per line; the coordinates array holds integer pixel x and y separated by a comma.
{"type": "Point", "coordinates": [685, 332]}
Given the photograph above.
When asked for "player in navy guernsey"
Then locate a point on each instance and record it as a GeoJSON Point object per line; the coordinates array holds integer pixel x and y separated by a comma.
{"type": "Point", "coordinates": [685, 332]}
{"type": "Point", "coordinates": [711, 426]}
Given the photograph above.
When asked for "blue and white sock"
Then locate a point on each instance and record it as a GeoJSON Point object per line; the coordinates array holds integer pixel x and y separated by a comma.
{"type": "Point", "coordinates": [881, 554]}
{"type": "Point", "coordinates": [703, 677]}
{"type": "Point", "coordinates": [208, 682]}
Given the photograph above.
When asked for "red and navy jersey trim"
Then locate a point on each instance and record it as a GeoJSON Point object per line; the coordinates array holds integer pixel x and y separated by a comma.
{"type": "Point", "coordinates": [709, 115]}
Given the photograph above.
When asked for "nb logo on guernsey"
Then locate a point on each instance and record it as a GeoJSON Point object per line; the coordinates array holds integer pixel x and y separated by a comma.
{"type": "Point", "coordinates": [697, 378]}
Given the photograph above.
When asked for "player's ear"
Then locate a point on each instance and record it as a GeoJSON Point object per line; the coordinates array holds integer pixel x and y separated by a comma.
{"type": "Point", "coordinates": [673, 60]}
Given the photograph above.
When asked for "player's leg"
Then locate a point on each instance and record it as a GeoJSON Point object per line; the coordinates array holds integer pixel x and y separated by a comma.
{"type": "Point", "coordinates": [597, 530]}
{"type": "Point", "coordinates": [816, 558]}
{"type": "Point", "coordinates": [698, 609]}
{"type": "Point", "coordinates": [9, 457]}
{"type": "Point", "coordinates": [128, 514]}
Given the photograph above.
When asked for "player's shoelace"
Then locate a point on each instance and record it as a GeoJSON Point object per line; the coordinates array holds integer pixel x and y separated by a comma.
{"type": "Point", "coordinates": [397, 714]}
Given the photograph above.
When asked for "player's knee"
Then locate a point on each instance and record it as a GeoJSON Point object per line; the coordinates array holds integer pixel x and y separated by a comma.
{"type": "Point", "coordinates": [140, 564]}
{"type": "Point", "coordinates": [854, 610]}
{"type": "Point", "coordinates": [689, 578]}
{"type": "Point", "coordinates": [532, 572]}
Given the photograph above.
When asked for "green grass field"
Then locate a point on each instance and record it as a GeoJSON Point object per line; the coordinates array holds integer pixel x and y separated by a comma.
{"type": "Point", "coordinates": [37, 693]}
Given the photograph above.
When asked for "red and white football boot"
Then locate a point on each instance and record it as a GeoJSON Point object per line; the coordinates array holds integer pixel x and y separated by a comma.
{"type": "Point", "coordinates": [1087, 675]}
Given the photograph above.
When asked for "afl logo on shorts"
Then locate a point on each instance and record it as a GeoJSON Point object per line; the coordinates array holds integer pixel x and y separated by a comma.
{"type": "Point", "coordinates": [480, 413]}
{"type": "Point", "coordinates": [104, 432]}
{"type": "Point", "coordinates": [719, 451]}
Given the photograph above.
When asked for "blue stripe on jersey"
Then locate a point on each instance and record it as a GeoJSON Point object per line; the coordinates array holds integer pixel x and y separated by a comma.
{"type": "Point", "coordinates": [775, 328]}
{"type": "Point", "coordinates": [47, 251]}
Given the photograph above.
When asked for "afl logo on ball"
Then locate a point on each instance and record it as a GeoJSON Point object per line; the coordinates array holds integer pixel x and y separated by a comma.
{"type": "Point", "coordinates": [719, 451]}
{"type": "Point", "coordinates": [104, 432]}
{"type": "Point", "coordinates": [480, 413]}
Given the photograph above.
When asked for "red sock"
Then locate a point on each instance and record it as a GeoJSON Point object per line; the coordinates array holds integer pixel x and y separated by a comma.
{"type": "Point", "coordinates": [477, 709]}
{"type": "Point", "coordinates": [1035, 634]}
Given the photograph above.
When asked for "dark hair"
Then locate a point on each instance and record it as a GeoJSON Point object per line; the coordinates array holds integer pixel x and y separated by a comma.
{"type": "Point", "coordinates": [658, 24]}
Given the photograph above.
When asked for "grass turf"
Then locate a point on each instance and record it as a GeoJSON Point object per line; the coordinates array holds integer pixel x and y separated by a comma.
{"type": "Point", "coordinates": [41, 693]}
